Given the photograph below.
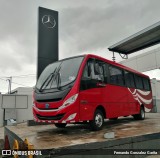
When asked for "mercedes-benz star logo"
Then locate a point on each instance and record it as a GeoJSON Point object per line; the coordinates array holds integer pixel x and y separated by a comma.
{"type": "Point", "coordinates": [48, 21]}
{"type": "Point", "coordinates": [47, 106]}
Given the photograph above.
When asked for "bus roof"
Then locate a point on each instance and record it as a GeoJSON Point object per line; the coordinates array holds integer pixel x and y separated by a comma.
{"type": "Point", "coordinates": [116, 64]}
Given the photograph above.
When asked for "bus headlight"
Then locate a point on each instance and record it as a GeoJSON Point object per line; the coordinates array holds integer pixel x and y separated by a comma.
{"type": "Point", "coordinates": [69, 101]}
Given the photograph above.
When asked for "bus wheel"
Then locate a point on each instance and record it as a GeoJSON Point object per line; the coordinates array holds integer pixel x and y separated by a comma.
{"type": "Point", "coordinates": [60, 125]}
{"type": "Point", "coordinates": [141, 115]}
{"type": "Point", "coordinates": [98, 120]}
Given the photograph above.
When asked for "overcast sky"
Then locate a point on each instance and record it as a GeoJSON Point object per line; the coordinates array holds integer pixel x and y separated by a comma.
{"type": "Point", "coordinates": [86, 26]}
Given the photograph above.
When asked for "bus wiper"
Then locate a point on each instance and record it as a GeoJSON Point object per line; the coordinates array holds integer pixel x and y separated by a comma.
{"type": "Point", "coordinates": [55, 77]}
{"type": "Point", "coordinates": [58, 81]}
{"type": "Point", "coordinates": [49, 78]}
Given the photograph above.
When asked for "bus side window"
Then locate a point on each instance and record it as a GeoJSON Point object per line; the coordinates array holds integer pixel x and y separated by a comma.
{"type": "Point", "coordinates": [86, 77]}
{"type": "Point", "coordinates": [105, 70]}
{"type": "Point", "coordinates": [146, 84]}
{"type": "Point", "coordinates": [98, 71]}
{"type": "Point", "coordinates": [116, 76]}
{"type": "Point", "coordinates": [139, 83]}
{"type": "Point", "coordinates": [87, 72]}
{"type": "Point", "coordinates": [129, 79]}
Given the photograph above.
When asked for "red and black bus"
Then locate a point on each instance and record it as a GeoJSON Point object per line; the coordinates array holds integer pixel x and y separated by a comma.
{"type": "Point", "coordinates": [89, 88]}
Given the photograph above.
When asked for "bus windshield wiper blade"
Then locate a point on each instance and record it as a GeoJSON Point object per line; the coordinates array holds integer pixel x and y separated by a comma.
{"type": "Point", "coordinates": [58, 81]}
{"type": "Point", "coordinates": [47, 79]}
{"type": "Point", "coordinates": [57, 77]}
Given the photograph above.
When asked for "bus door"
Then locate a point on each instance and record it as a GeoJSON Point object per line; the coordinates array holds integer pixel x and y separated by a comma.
{"type": "Point", "coordinates": [90, 91]}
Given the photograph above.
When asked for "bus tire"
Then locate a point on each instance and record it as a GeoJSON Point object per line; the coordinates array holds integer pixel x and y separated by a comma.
{"type": "Point", "coordinates": [98, 120]}
{"type": "Point", "coordinates": [60, 125]}
{"type": "Point", "coordinates": [141, 115]}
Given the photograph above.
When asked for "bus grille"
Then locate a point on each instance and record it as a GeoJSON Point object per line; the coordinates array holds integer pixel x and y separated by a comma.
{"type": "Point", "coordinates": [49, 100]}
{"type": "Point", "coordinates": [57, 117]}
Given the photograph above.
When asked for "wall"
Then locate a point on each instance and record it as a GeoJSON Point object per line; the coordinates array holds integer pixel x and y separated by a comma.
{"type": "Point", "coordinates": [143, 62]}
{"type": "Point", "coordinates": [19, 108]}
{"type": "Point", "coordinates": [148, 142]}
{"type": "Point", "coordinates": [25, 114]}
{"type": "Point", "coordinates": [1, 111]}
{"type": "Point", "coordinates": [156, 94]}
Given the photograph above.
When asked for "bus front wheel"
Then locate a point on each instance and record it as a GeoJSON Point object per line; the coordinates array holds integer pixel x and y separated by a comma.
{"type": "Point", "coordinates": [141, 115]}
{"type": "Point", "coordinates": [60, 125]}
{"type": "Point", "coordinates": [98, 120]}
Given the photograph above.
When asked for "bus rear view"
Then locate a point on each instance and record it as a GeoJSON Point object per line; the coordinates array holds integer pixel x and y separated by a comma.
{"type": "Point", "coordinates": [90, 89]}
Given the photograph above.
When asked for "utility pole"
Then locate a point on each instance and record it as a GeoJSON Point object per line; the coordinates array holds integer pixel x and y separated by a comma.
{"type": "Point", "coordinates": [9, 92]}
{"type": "Point", "coordinates": [10, 83]}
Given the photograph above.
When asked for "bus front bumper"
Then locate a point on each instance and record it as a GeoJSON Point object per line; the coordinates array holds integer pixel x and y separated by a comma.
{"type": "Point", "coordinates": [55, 116]}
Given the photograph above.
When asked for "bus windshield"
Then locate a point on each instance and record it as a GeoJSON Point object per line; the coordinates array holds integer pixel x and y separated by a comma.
{"type": "Point", "coordinates": [59, 74]}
